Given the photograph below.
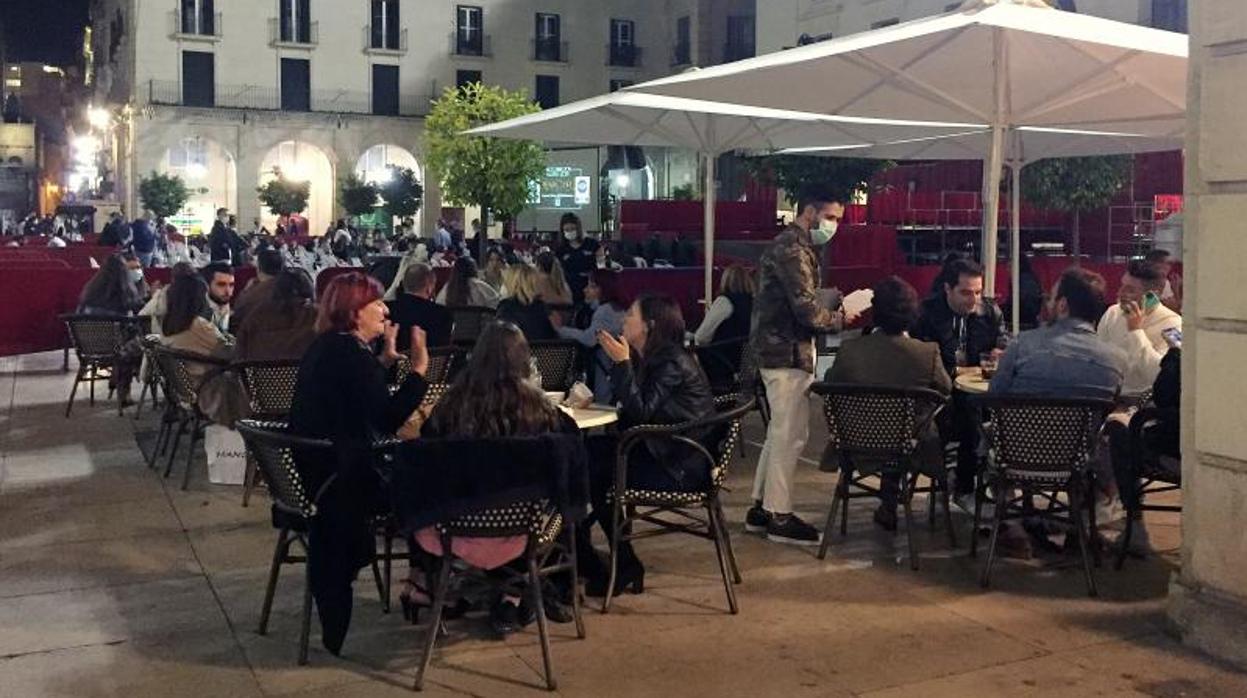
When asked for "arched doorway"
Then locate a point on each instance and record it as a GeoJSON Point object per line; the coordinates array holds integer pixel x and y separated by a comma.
{"type": "Point", "coordinates": [209, 171]}
{"type": "Point", "coordinates": [301, 162]}
{"type": "Point", "coordinates": [374, 166]}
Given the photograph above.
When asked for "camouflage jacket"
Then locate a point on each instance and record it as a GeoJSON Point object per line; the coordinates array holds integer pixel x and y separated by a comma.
{"type": "Point", "coordinates": [787, 310]}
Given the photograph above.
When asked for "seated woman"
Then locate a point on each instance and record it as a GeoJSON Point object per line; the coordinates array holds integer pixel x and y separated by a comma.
{"type": "Point", "coordinates": [604, 297]}
{"type": "Point", "coordinates": [656, 381]}
{"type": "Point", "coordinates": [158, 305]}
{"type": "Point", "coordinates": [465, 288]}
{"type": "Point", "coordinates": [283, 325]}
{"type": "Point", "coordinates": [729, 315]}
{"type": "Point", "coordinates": [494, 396]}
{"type": "Point", "coordinates": [525, 307]}
{"type": "Point", "coordinates": [185, 329]}
{"type": "Point", "coordinates": [495, 265]}
{"type": "Point", "coordinates": [341, 395]}
{"type": "Point", "coordinates": [551, 282]}
{"type": "Point", "coordinates": [117, 289]}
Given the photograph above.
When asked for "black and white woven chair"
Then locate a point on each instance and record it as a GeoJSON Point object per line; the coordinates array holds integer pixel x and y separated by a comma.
{"type": "Point", "coordinates": [444, 362]}
{"type": "Point", "coordinates": [630, 506]}
{"type": "Point", "coordinates": [1151, 473]}
{"type": "Point", "coordinates": [556, 361]}
{"type": "Point", "coordinates": [96, 340]}
{"type": "Point", "coordinates": [269, 386]}
{"type": "Point", "coordinates": [185, 373]}
{"type": "Point", "coordinates": [469, 321]}
{"type": "Point", "coordinates": [723, 363]}
{"type": "Point", "coordinates": [882, 425]}
{"type": "Point", "coordinates": [151, 376]}
{"type": "Point", "coordinates": [1039, 448]}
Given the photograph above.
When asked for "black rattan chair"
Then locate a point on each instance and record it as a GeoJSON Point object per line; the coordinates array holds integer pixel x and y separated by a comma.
{"type": "Point", "coordinates": [269, 386]}
{"type": "Point", "coordinates": [444, 362]}
{"type": "Point", "coordinates": [632, 505]}
{"type": "Point", "coordinates": [96, 340]}
{"type": "Point", "coordinates": [723, 363]}
{"type": "Point", "coordinates": [151, 378]}
{"type": "Point", "coordinates": [1151, 473]}
{"type": "Point", "coordinates": [1040, 447]}
{"type": "Point", "coordinates": [469, 321]}
{"type": "Point", "coordinates": [556, 361]}
{"type": "Point", "coordinates": [184, 385]}
{"type": "Point", "coordinates": [883, 425]}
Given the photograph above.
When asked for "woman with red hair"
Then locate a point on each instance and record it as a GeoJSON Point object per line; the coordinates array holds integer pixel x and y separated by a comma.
{"type": "Point", "coordinates": [341, 395]}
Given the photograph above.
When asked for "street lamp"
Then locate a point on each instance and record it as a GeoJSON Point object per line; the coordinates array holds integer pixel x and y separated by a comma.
{"type": "Point", "coordinates": [99, 118]}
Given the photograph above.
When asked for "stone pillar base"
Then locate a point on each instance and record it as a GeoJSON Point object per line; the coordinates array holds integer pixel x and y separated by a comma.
{"type": "Point", "coordinates": [1209, 621]}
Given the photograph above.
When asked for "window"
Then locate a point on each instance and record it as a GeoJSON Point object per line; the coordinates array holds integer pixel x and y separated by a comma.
{"type": "Point", "coordinates": [198, 17]}
{"type": "Point", "coordinates": [885, 23]}
{"type": "Point", "coordinates": [385, 90]}
{"type": "Point", "coordinates": [1170, 15]}
{"type": "Point", "coordinates": [296, 21]}
{"type": "Point", "coordinates": [548, 45]}
{"type": "Point", "coordinates": [623, 51]}
{"type": "Point", "coordinates": [384, 31]}
{"type": "Point", "coordinates": [683, 42]}
{"type": "Point", "coordinates": [469, 31]}
{"type": "Point", "coordinates": [617, 85]}
{"type": "Point", "coordinates": [548, 91]}
{"type": "Point", "coordinates": [466, 77]}
{"type": "Point", "coordinates": [189, 154]}
{"type": "Point", "coordinates": [740, 38]}
{"type": "Point", "coordinates": [198, 79]}
{"type": "Point", "coordinates": [296, 84]}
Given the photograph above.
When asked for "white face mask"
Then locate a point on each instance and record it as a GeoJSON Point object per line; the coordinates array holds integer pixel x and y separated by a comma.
{"type": "Point", "coordinates": [825, 231]}
{"type": "Point", "coordinates": [136, 275]}
{"type": "Point", "coordinates": [569, 234]}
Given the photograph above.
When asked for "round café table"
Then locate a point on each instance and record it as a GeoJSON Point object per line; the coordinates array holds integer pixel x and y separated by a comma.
{"type": "Point", "coordinates": [972, 382]}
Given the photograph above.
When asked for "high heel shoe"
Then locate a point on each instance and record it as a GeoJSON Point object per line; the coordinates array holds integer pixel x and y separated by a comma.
{"type": "Point", "coordinates": [412, 598]}
{"type": "Point", "coordinates": [630, 578]}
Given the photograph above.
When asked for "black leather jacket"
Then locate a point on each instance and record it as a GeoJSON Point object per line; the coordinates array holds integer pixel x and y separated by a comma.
{"type": "Point", "coordinates": [937, 323]}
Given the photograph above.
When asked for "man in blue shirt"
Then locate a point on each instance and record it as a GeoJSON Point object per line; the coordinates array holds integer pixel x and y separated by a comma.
{"type": "Point", "coordinates": [1066, 358]}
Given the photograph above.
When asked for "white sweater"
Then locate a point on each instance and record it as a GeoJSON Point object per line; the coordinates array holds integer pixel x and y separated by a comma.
{"type": "Point", "coordinates": [1144, 347]}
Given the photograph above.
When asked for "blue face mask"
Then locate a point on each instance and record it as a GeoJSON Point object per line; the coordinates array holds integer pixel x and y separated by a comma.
{"type": "Point", "coordinates": [825, 231]}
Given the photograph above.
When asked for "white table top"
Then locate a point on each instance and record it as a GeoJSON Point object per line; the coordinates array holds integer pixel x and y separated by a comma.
{"type": "Point", "coordinates": [972, 382]}
{"type": "Point", "coordinates": [592, 416]}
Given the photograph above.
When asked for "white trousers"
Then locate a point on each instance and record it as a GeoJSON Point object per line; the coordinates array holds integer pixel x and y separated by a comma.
{"type": "Point", "coordinates": [785, 436]}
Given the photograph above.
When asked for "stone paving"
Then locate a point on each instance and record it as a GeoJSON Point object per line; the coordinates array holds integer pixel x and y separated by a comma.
{"type": "Point", "coordinates": [113, 582]}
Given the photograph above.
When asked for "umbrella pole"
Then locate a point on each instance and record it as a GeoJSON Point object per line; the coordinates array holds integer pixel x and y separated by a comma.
{"type": "Point", "coordinates": [708, 197]}
{"type": "Point", "coordinates": [991, 213]}
{"type": "Point", "coordinates": [1015, 244]}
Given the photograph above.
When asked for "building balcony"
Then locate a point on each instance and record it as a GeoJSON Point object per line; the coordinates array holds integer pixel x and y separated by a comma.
{"type": "Point", "coordinates": [549, 51]}
{"type": "Point", "coordinates": [385, 43]}
{"type": "Point", "coordinates": [623, 55]}
{"type": "Point", "coordinates": [291, 36]}
{"type": "Point", "coordinates": [259, 98]}
{"type": "Point", "coordinates": [681, 54]}
{"type": "Point", "coordinates": [194, 27]}
{"type": "Point", "coordinates": [474, 45]}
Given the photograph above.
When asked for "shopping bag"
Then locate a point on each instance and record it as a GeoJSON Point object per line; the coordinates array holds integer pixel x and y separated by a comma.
{"type": "Point", "coordinates": [227, 455]}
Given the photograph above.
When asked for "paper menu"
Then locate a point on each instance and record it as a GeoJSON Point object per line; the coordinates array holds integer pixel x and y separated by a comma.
{"type": "Point", "coordinates": [857, 302]}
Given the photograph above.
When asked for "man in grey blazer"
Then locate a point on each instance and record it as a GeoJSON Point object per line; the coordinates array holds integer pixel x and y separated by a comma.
{"type": "Point", "coordinates": [890, 357]}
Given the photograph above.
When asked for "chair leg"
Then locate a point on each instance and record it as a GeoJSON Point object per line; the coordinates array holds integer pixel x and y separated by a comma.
{"type": "Point", "coordinates": [998, 522]}
{"type": "Point", "coordinates": [69, 406]}
{"type": "Point", "coordinates": [95, 374]}
{"type": "Point", "coordinates": [907, 496]}
{"type": "Point", "coordinates": [727, 540]}
{"type": "Point", "coordinates": [1123, 544]}
{"type": "Point", "coordinates": [617, 530]}
{"type": "Point", "coordinates": [948, 510]}
{"type": "Point", "coordinates": [569, 533]}
{"type": "Point", "coordinates": [717, 533]}
{"type": "Point", "coordinates": [543, 630]}
{"type": "Point", "coordinates": [196, 435]}
{"type": "Point", "coordinates": [1077, 492]}
{"type": "Point", "coordinates": [376, 578]}
{"type": "Point", "coordinates": [979, 493]}
{"type": "Point", "coordinates": [1093, 530]}
{"type": "Point", "coordinates": [837, 495]}
{"type": "Point", "coordinates": [388, 564]}
{"type": "Point", "coordinates": [248, 478]}
{"type": "Point", "coordinates": [279, 555]}
{"type": "Point", "coordinates": [305, 632]}
{"type": "Point", "coordinates": [138, 406]}
{"type": "Point", "coordinates": [844, 502]}
{"type": "Point", "coordinates": [177, 440]}
{"type": "Point", "coordinates": [435, 614]}
{"type": "Point", "coordinates": [931, 504]}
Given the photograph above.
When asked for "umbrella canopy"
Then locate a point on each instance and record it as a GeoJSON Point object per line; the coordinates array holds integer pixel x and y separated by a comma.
{"type": "Point", "coordinates": [1004, 63]}
{"type": "Point", "coordinates": [627, 118]}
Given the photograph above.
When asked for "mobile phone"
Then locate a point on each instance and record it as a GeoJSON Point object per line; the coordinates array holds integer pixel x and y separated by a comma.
{"type": "Point", "coordinates": [1173, 337]}
{"type": "Point", "coordinates": [1150, 300]}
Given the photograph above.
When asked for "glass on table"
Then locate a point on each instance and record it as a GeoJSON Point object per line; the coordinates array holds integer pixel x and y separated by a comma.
{"type": "Point", "coordinates": [987, 364]}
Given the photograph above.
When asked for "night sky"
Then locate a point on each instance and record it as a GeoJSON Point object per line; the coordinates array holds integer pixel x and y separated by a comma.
{"type": "Point", "coordinates": [47, 31]}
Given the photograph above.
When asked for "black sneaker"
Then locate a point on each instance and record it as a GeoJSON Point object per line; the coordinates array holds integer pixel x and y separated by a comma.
{"type": "Point", "coordinates": [506, 618]}
{"type": "Point", "coordinates": [790, 529]}
{"type": "Point", "coordinates": [757, 519]}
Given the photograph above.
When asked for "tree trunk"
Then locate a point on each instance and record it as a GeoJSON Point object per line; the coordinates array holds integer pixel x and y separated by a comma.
{"type": "Point", "coordinates": [1076, 240]}
{"type": "Point", "coordinates": [483, 242]}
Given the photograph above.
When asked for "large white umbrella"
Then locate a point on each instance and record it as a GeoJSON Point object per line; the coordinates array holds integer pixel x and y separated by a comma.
{"type": "Point", "coordinates": [1007, 64]}
{"type": "Point", "coordinates": [710, 128]}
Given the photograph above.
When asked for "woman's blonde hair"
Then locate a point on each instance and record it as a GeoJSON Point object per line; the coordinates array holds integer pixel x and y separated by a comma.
{"type": "Point", "coordinates": [549, 265]}
{"type": "Point", "coordinates": [738, 279]}
{"type": "Point", "coordinates": [523, 284]}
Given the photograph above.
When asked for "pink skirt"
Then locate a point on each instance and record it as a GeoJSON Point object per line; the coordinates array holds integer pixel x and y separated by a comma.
{"type": "Point", "coordinates": [483, 553]}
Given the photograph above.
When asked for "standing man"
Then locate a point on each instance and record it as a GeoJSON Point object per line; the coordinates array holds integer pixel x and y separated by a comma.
{"type": "Point", "coordinates": [220, 247]}
{"type": "Point", "coordinates": [787, 313]}
{"type": "Point", "coordinates": [143, 238]}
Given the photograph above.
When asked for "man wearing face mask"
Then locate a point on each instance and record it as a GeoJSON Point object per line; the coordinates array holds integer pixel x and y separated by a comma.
{"type": "Point", "coordinates": [576, 254]}
{"type": "Point", "coordinates": [788, 312]}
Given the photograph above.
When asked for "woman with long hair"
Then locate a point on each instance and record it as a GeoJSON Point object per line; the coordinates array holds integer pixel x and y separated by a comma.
{"type": "Point", "coordinates": [283, 325]}
{"type": "Point", "coordinates": [551, 283]}
{"type": "Point", "coordinates": [525, 307]}
{"type": "Point", "coordinates": [114, 290]}
{"type": "Point", "coordinates": [465, 287]}
{"type": "Point", "coordinates": [495, 265]}
{"type": "Point", "coordinates": [341, 395]}
{"type": "Point", "coordinates": [728, 317]}
{"type": "Point", "coordinates": [656, 381]}
{"type": "Point", "coordinates": [605, 298]}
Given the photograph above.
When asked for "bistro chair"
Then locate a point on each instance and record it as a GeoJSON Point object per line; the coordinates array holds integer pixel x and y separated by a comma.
{"type": "Point", "coordinates": [151, 376]}
{"type": "Point", "coordinates": [437, 482]}
{"type": "Point", "coordinates": [631, 505]}
{"type": "Point", "coordinates": [469, 321]}
{"type": "Point", "coordinates": [723, 363]}
{"type": "Point", "coordinates": [444, 362]}
{"type": "Point", "coordinates": [884, 425]}
{"type": "Point", "coordinates": [1039, 448]}
{"type": "Point", "coordinates": [184, 386]}
{"type": "Point", "coordinates": [1151, 473]}
{"type": "Point", "coordinates": [269, 386]}
{"type": "Point", "coordinates": [556, 362]}
{"type": "Point", "coordinates": [97, 340]}
{"type": "Point", "coordinates": [171, 415]}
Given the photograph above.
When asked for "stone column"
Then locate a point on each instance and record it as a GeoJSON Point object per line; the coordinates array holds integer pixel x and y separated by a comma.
{"type": "Point", "coordinates": [1208, 599]}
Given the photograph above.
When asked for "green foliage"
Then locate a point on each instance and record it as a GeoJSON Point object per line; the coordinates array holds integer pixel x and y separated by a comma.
{"type": "Point", "coordinates": [357, 196]}
{"type": "Point", "coordinates": [684, 192]}
{"type": "Point", "coordinates": [402, 193]}
{"type": "Point", "coordinates": [284, 197]}
{"type": "Point", "coordinates": [1075, 184]}
{"type": "Point", "coordinates": [162, 194]}
{"type": "Point", "coordinates": [488, 172]}
{"type": "Point", "coordinates": [804, 177]}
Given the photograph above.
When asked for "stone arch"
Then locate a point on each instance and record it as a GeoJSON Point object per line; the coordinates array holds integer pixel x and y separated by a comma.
{"type": "Point", "coordinates": [210, 172]}
{"type": "Point", "coordinates": [302, 161]}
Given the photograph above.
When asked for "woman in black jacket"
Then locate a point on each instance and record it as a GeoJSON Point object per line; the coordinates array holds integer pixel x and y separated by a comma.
{"type": "Point", "coordinates": [341, 395]}
{"type": "Point", "coordinates": [656, 381]}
